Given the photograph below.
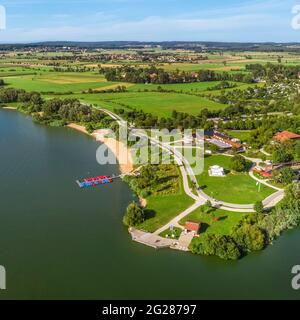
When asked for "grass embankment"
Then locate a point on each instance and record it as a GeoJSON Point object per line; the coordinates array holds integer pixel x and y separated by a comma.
{"type": "Point", "coordinates": [237, 188]}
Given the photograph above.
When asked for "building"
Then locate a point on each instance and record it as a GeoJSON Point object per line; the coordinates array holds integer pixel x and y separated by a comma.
{"type": "Point", "coordinates": [223, 142]}
{"type": "Point", "coordinates": [192, 227]}
{"type": "Point", "coordinates": [216, 171]}
{"type": "Point", "coordinates": [285, 136]}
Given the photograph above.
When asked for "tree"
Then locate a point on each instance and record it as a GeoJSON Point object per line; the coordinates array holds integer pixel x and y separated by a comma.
{"type": "Point", "coordinates": [297, 149]}
{"type": "Point", "coordinates": [249, 237]}
{"type": "Point", "coordinates": [238, 163]}
{"type": "Point", "coordinates": [280, 155]}
{"type": "Point", "coordinates": [134, 215]}
{"type": "Point", "coordinates": [285, 176]}
{"type": "Point", "coordinates": [259, 207]}
{"type": "Point", "coordinates": [216, 245]}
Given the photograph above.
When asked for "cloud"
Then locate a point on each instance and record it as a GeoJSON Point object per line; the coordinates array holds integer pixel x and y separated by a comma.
{"type": "Point", "coordinates": [251, 21]}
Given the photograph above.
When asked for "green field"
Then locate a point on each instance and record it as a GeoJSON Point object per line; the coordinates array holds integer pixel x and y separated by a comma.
{"type": "Point", "coordinates": [53, 82]}
{"type": "Point", "coordinates": [161, 208]}
{"type": "Point", "coordinates": [237, 188]}
{"type": "Point", "coordinates": [160, 104]}
{"type": "Point", "coordinates": [227, 220]}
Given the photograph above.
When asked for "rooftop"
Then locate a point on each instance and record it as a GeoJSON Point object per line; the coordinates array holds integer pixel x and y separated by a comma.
{"type": "Point", "coordinates": [286, 135]}
{"type": "Point", "coordinates": [192, 226]}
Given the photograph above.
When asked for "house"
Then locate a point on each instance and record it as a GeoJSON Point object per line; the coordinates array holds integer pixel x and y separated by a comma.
{"type": "Point", "coordinates": [192, 227]}
{"type": "Point", "coordinates": [216, 171]}
{"type": "Point", "coordinates": [286, 135]}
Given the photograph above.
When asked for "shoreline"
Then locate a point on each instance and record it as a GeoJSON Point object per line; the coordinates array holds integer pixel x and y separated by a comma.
{"type": "Point", "coordinates": [120, 151]}
{"type": "Point", "coordinates": [9, 108]}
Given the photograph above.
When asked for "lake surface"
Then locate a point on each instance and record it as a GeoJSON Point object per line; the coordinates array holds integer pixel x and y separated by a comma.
{"type": "Point", "coordinates": [60, 242]}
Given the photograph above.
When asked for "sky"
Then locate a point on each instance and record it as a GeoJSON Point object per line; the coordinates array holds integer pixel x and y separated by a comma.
{"type": "Point", "coordinates": [149, 20]}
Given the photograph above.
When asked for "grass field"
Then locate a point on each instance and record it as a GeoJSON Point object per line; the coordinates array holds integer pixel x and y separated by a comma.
{"type": "Point", "coordinates": [163, 208]}
{"type": "Point", "coordinates": [243, 135]}
{"type": "Point", "coordinates": [160, 104]}
{"type": "Point", "coordinates": [48, 82]}
{"type": "Point", "coordinates": [227, 220]}
{"type": "Point", "coordinates": [237, 188]}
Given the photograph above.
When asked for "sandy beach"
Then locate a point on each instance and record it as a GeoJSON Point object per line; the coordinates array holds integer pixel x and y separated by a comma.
{"type": "Point", "coordinates": [78, 128]}
{"type": "Point", "coordinates": [10, 108]}
{"type": "Point", "coordinates": [118, 148]}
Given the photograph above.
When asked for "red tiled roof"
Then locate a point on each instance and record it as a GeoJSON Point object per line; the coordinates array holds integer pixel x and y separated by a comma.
{"type": "Point", "coordinates": [192, 226]}
{"type": "Point", "coordinates": [286, 135]}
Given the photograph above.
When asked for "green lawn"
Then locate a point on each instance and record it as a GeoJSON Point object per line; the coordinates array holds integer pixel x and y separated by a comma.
{"type": "Point", "coordinates": [163, 206]}
{"type": "Point", "coordinates": [237, 188]}
{"type": "Point", "coordinates": [174, 234]}
{"type": "Point", "coordinates": [243, 135]}
{"type": "Point", "coordinates": [227, 220]}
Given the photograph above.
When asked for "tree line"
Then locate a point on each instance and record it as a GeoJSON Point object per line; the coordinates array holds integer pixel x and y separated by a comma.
{"type": "Point", "coordinates": [156, 75]}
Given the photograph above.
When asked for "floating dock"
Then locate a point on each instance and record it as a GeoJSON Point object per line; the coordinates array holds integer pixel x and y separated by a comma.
{"type": "Point", "coordinates": [93, 182]}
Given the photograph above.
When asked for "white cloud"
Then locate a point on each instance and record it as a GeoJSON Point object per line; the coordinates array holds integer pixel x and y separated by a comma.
{"type": "Point", "coordinates": [255, 21]}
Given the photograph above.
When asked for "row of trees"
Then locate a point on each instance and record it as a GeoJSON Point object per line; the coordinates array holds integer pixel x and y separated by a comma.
{"type": "Point", "coordinates": [156, 75]}
{"type": "Point", "coordinates": [274, 72]}
{"type": "Point", "coordinates": [56, 111]}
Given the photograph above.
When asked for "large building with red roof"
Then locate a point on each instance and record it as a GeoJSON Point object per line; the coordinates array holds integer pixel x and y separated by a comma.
{"type": "Point", "coordinates": [286, 135]}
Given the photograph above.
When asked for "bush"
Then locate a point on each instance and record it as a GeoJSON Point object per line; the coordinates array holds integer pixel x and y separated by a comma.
{"type": "Point", "coordinates": [238, 164]}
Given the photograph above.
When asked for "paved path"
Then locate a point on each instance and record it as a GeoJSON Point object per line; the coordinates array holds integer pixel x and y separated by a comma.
{"type": "Point", "coordinates": [265, 152]}
{"type": "Point", "coordinates": [201, 198]}
{"type": "Point", "coordinates": [175, 222]}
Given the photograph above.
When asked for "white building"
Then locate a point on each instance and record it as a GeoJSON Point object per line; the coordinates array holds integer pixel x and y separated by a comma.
{"type": "Point", "coordinates": [216, 171]}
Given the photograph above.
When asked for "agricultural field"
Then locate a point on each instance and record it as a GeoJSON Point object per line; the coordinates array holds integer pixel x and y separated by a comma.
{"type": "Point", "coordinates": [158, 103]}
{"type": "Point", "coordinates": [57, 82]}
